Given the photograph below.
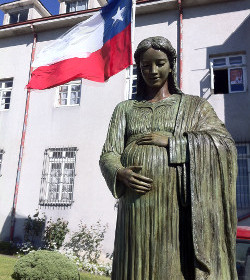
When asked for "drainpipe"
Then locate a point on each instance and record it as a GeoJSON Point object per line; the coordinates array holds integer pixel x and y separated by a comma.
{"type": "Point", "coordinates": [20, 159]}
{"type": "Point", "coordinates": [180, 43]}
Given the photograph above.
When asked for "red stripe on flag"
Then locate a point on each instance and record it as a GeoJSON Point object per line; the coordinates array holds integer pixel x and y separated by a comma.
{"type": "Point", "coordinates": [114, 56]}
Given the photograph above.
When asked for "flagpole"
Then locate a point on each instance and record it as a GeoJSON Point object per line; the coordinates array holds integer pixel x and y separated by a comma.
{"type": "Point", "coordinates": [21, 152]}
{"type": "Point", "coordinates": [132, 46]}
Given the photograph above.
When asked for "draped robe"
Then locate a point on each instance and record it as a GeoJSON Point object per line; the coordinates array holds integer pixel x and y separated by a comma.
{"type": "Point", "coordinates": [185, 227]}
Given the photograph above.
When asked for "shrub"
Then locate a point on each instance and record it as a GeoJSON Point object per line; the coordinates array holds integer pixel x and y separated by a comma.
{"type": "Point", "coordinates": [45, 265]}
{"type": "Point", "coordinates": [85, 248]}
{"type": "Point", "coordinates": [33, 228]}
{"type": "Point", "coordinates": [24, 248]}
{"type": "Point", "coordinates": [7, 248]}
{"type": "Point", "coordinates": [86, 242]}
{"type": "Point", "coordinates": [54, 233]}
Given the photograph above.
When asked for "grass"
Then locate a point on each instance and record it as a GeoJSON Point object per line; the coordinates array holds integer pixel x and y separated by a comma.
{"type": "Point", "coordinates": [88, 276]}
{"type": "Point", "coordinates": [7, 264]}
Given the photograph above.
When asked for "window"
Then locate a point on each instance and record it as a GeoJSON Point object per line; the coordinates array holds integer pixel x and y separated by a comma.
{"type": "Point", "coordinates": [69, 94]}
{"type": "Point", "coordinates": [243, 179]}
{"type": "Point", "coordinates": [228, 74]}
{"type": "Point", "coordinates": [5, 93]}
{"type": "Point", "coordinates": [76, 6]}
{"type": "Point", "coordinates": [19, 16]}
{"type": "Point", "coordinates": [57, 183]}
{"type": "Point", "coordinates": [131, 83]}
{"type": "Point", "coordinates": [1, 159]}
{"type": "Point", "coordinates": [243, 255]}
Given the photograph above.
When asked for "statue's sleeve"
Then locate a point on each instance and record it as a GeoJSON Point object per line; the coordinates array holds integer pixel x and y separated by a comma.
{"type": "Point", "coordinates": [112, 150]}
{"type": "Point", "coordinates": [178, 152]}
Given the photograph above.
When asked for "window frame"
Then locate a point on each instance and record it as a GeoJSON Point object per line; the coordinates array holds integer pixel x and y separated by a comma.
{"type": "Point", "coordinates": [47, 183]}
{"type": "Point", "coordinates": [69, 5]}
{"type": "Point", "coordinates": [228, 66]}
{"type": "Point", "coordinates": [1, 160]}
{"type": "Point", "coordinates": [241, 262]}
{"type": "Point", "coordinates": [69, 93]}
{"type": "Point", "coordinates": [3, 90]}
{"type": "Point", "coordinates": [18, 13]}
{"type": "Point", "coordinates": [243, 157]}
{"type": "Point", "coordinates": [130, 88]}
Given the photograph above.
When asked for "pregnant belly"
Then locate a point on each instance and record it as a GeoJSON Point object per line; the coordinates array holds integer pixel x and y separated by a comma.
{"type": "Point", "coordinates": [153, 159]}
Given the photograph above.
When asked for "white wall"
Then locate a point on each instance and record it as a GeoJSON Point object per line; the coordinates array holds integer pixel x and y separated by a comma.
{"type": "Point", "coordinates": [84, 127]}
{"type": "Point", "coordinates": [15, 59]}
{"type": "Point", "coordinates": [160, 24]}
{"type": "Point", "coordinates": [217, 29]}
{"type": "Point", "coordinates": [34, 13]}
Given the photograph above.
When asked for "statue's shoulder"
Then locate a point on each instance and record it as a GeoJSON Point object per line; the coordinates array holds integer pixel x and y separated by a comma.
{"type": "Point", "coordinates": [196, 104]}
{"type": "Point", "coordinates": [193, 99]}
{"type": "Point", "coordinates": [125, 104]}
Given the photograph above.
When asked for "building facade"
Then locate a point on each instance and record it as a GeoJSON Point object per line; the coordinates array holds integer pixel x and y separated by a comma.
{"type": "Point", "coordinates": [66, 126]}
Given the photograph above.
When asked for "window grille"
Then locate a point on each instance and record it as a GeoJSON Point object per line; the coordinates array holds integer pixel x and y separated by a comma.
{"type": "Point", "coordinates": [1, 160]}
{"type": "Point", "coordinates": [57, 183]}
{"type": "Point", "coordinates": [228, 74]}
{"type": "Point", "coordinates": [5, 93]}
{"type": "Point", "coordinates": [130, 91]}
{"type": "Point", "coordinates": [75, 6]}
{"type": "Point", "coordinates": [69, 94]}
{"type": "Point", "coordinates": [19, 16]}
{"type": "Point", "coordinates": [243, 179]}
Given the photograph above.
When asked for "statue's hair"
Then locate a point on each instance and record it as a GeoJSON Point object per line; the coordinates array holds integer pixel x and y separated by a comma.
{"type": "Point", "coordinates": [157, 43]}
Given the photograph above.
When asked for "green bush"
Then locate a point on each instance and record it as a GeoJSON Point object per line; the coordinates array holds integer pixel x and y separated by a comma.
{"type": "Point", "coordinates": [54, 233]}
{"type": "Point", "coordinates": [45, 265]}
{"type": "Point", "coordinates": [33, 228]}
{"type": "Point", "coordinates": [7, 248]}
{"type": "Point", "coordinates": [86, 243]}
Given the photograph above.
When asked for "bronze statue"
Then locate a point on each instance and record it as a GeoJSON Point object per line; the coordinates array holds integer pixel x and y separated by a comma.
{"type": "Point", "coordinates": [172, 164]}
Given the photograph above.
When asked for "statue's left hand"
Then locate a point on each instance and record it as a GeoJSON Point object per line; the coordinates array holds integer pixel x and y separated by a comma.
{"type": "Point", "coordinates": [153, 139]}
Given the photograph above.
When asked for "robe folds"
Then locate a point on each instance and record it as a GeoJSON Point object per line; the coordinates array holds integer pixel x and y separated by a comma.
{"type": "Point", "coordinates": [185, 227]}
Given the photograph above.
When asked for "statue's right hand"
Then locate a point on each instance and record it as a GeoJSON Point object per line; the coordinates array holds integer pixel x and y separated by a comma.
{"type": "Point", "coordinates": [133, 180]}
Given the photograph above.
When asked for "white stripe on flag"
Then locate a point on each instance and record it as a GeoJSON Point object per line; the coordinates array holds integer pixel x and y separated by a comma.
{"type": "Point", "coordinates": [80, 41]}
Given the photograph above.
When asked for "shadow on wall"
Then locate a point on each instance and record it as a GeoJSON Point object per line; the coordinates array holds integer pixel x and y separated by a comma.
{"type": "Point", "coordinates": [150, 19]}
{"type": "Point", "coordinates": [19, 233]}
{"type": "Point", "coordinates": [26, 229]}
{"type": "Point", "coordinates": [215, 9]}
{"type": "Point", "coordinates": [205, 86]}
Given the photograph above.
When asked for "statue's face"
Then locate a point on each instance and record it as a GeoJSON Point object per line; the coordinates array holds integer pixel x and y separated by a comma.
{"type": "Point", "coordinates": [155, 67]}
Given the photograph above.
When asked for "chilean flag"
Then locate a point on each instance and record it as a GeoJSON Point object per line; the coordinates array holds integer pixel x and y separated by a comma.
{"type": "Point", "coordinates": [95, 49]}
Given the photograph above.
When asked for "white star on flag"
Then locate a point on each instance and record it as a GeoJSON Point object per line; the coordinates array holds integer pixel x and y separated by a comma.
{"type": "Point", "coordinates": [118, 15]}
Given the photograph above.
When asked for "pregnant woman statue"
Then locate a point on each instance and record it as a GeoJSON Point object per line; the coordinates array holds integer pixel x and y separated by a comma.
{"type": "Point", "coordinates": [172, 165]}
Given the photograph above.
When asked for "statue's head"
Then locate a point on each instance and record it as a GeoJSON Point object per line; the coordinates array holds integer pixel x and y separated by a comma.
{"type": "Point", "coordinates": [162, 44]}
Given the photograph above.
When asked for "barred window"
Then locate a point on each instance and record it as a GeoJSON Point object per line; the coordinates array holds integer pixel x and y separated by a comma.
{"type": "Point", "coordinates": [57, 183]}
{"type": "Point", "coordinates": [69, 94]}
{"type": "Point", "coordinates": [1, 159]}
{"type": "Point", "coordinates": [243, 179]}
{"type": "Point", "coordinates": [5, 93]}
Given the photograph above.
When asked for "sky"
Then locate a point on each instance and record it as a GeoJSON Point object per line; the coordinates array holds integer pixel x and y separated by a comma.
{"type": "Point", "coordinates": [51, 5]}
